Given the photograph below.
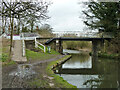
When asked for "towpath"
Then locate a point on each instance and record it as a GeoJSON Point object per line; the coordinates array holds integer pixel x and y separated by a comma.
{"type": "Point", "coordinates": [17, 52]}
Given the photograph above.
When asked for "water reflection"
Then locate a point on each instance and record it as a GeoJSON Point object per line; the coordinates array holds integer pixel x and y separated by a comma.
{"type": "Point", "coordinates": [91, 73]}
{"type": "Point", "coordinates": [80, 61]}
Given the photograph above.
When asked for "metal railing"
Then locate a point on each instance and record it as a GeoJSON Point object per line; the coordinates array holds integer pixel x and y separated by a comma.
{"type": "Point", "coordinates": [37, 45]}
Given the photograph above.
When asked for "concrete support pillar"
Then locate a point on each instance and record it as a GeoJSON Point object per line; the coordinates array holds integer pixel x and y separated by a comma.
{"type": "Point", "coordinates": [95, 45]}
{"type": "Point", "coordinates": [95, 48]}
{"type": "Point", "coordinates": [60, 47]}
{"type": "Point", "coordinates": [54, 44]}
{"type": "Point", "coordinates": [102, 46]}
{"type": "Point", "coordinates": [60, 69]}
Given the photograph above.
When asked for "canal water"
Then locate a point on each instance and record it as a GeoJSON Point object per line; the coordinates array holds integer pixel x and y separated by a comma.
{"type": "Point", "coordinates": [84, 72]}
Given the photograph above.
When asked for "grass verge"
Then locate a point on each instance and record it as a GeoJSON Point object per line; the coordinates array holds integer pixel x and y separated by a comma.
{"type": "Point", "coordinates": [5, 49]}
{"type": "Point", "coordinates": [39, 55]}
{"type": "Point", "coordinates": [106, 55]}
{"type": "Point", "coordinates": [111, 56]}
{"type": "Point", "coordinates": [59, 81]}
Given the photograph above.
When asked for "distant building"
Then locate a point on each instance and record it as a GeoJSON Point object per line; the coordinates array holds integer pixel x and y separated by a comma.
{"type": "Point", "coordinates": [76, 33]}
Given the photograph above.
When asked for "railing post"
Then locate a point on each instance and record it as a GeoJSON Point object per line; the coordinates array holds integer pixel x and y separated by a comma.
{"type": "Point", "coordinates": [44, 49]}
{"type": "Point", "coordinates": [23, 47]}
{"type": "Point", "coordinates": [35, 43]}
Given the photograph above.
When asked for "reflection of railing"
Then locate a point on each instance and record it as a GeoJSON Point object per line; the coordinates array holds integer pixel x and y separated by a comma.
{"type": "Point", "coordinates": [39, 45]}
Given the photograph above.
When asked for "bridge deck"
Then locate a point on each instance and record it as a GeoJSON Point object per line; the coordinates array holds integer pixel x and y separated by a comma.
{"type": "Point", "coordinates": [75, 39]}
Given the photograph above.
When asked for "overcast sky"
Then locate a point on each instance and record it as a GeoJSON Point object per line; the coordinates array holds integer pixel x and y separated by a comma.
{"type": "Point", "coordinates": [65, 15]}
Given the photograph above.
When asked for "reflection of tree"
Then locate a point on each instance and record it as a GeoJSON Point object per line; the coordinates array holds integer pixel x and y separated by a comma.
{"type": "Point", "coordinates": [92, 83]}
{"type": "Point", "coordinates": [102, 82]}
{"type": "Point", "coordinates": [79, 58]}
{"type": "Point", "coordinates": [109, 76]}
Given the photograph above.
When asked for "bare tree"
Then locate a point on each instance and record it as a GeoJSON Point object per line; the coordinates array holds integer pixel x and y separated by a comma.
{"type": "Point", "coordinates": [20, 9]}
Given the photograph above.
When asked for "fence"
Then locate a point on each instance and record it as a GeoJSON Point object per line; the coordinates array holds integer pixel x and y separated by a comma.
{"type": "Point", "coordinates": [42, 47]}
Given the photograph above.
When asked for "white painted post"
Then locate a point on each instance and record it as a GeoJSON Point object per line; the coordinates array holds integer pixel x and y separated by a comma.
{"type": "Point", "coordinates": [22, 36]}
{"type": "Point", "coordinates": [23, 42]}
{"type": "Point", "coordinates": [35, 43]}
{"type": "Point", "coordinates": [44, 49]}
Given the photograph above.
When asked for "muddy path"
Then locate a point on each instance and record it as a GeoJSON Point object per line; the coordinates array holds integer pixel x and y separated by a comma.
{"type": "Point", "coordinates": [28, 75]}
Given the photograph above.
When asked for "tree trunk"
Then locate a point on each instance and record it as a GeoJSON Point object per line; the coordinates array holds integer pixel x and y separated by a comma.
{"type": "Point", "coordinates": [11, 38]}
{"type": "Point", "coordinates": [18, 24]}
{"type": "Point", "coordinates": [3, 29]}
{"type": "Point", "coordinates": [32, 26]}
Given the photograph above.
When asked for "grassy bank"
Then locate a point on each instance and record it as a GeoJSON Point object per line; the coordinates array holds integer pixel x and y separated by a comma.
{"type": "Point", "coordinates": [111, 56]}
{"type": "Point", "coordinates": [59, 81]}
{"type": "Point", "coordinates": [39, 55]}
{"type": "Point", "coordinates": [5, 49]}
{"type": "Point", "coordinates": [106, 55]}
{"type": "Point", "coordinates": [5, 60]}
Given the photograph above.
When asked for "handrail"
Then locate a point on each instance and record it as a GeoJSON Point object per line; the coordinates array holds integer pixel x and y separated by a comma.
{"type": "Point", "coordinates": [22, 36]}
{"type": "Point", "coordinates": [23, 42]}
{"type": "Point", "coordinates": [37, 43]}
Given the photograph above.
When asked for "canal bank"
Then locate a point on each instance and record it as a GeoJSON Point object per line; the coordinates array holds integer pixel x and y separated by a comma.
{"type": "Point", "coordinates": [110, 56]}
{"type": "Point", "coordinates": [84, 72]}
{"type": "Point", "coordinates": [34, 73]}
{"type": "Point", "coordinates": [107, 55]}
{"type": "Point", "coordinates": [98, 74]}
{"type": "Point", "coordinates": [59, 81]}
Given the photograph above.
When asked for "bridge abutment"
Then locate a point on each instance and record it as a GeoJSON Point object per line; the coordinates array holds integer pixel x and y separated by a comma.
{"type": "Point", "coordinates": [95, 48]}
{"type": "Point", "coordinates": [54, 45]}
{"type": "Point", "coordinates": [102, 46]}
{"type": "Point", "coordinates": [60, 47]}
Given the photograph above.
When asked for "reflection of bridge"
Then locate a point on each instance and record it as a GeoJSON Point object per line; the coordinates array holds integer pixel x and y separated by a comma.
{"type": "Point", "coordinates": [82, 71]}
{"type": "Point", "coordinates": [94, 70]}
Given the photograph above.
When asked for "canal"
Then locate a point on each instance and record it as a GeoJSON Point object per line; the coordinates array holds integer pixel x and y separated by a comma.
{"type": "Point", "coordinates": [84, 72]}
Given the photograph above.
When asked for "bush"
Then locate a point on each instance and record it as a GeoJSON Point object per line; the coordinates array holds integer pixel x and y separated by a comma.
{"type": "Point", "coordinates": [4, 57]}
{"type": "Point", "coordinates": [75, 45]}
{"type": "Point", "coordinates": [106, 55]}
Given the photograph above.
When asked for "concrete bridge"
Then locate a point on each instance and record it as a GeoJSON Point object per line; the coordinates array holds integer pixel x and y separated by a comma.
{"type": "Point", "coordinates": [57, 43]}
